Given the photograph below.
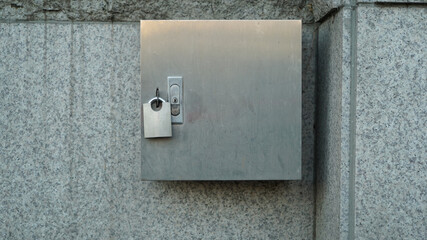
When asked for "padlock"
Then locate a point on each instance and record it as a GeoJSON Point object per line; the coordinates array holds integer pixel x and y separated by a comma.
{"type": "Point", "coordinates": [157, 122]}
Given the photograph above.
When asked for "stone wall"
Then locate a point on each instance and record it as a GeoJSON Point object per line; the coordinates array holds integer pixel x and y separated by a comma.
{"type": "Point", "coordinates": [134, 10]}
{"type": "Point", "coordinates": [70, 143]}
{"type": "Point", "coordinates": [70, 134]}
{"type": "Point", "coordinates": [371, 121]}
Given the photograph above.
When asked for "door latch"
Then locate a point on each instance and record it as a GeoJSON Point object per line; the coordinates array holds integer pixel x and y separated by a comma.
{"type": "Point", "coordinates": [175, 99]}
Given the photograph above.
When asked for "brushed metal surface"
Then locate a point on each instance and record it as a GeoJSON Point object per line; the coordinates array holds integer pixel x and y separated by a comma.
{"type": "Point", "coordinates": [175, 94]}
{"type": "Point", "coordinates": [242, 118]}
{"type": "Point", "coordinates": [157, 124]}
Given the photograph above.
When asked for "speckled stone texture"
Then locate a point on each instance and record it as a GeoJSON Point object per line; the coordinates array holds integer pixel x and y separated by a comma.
{"type": "Point", "coordinates": [70, 148]}
{"type": "Point", "coordinates": [323, 7]}
{"type": "Point", "coordinates": [135, 10]}
{"type": "Point", "coordinates": [391, 134]}
{"type": "Point", "coordinates": [393, 1]}
{"type": "Point", "coordinates": [333, 117]}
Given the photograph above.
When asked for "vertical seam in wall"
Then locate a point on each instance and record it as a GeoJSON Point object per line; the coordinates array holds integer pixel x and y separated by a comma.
{"type": "Point", "coordinates": [352, 124]}
{"type": "Point", "coordinates": [316, 96]}
{"type": "Point", "coordinates": [44, 99]}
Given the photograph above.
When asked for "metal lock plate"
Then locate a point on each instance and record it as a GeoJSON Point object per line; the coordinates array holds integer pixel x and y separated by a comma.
{"type": "Point", "coordinates": [175, 98]}
{"type": "Point", "coordinates": [157, 122]}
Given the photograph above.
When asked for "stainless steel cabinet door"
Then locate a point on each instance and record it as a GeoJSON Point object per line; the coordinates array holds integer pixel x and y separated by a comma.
{"type": "Point", "coordinates": [241, 96]}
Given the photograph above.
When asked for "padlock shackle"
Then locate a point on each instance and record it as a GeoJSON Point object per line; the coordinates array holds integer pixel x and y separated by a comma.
{"type": "Point", "coordinates": [155, 98]}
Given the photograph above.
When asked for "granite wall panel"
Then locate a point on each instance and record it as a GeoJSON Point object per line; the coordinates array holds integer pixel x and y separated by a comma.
{"type": "Point", "coordinates": [70, 148]}
{"type": "Point", "coordinates": [392, 1]}
{"type": "Point", "coordinates": [391, 116]}
{"type": "Point", "coordinates": [135, 10]}
{"type": "Point", "coordinates": [333, 117]}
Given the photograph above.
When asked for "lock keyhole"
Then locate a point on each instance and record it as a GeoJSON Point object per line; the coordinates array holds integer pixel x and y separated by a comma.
{"type": "Point", "coordinates": [154, 105]}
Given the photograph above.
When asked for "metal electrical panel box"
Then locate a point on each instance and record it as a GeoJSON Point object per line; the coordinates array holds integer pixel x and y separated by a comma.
{"type": "Point", "coordinates": [234, 88]}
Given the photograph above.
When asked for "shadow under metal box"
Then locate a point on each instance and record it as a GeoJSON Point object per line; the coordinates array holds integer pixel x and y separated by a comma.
{"type": "Point", "coordinates": [239, 96]}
